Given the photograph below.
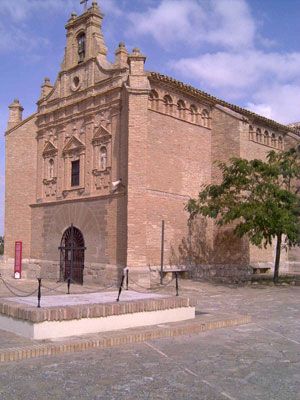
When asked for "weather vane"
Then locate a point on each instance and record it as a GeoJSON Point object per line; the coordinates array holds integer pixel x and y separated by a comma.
{"type": "Point", "coordinates": [85, 3]}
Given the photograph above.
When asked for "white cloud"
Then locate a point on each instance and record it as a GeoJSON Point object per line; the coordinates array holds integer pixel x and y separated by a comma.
{"type": "Point", "coordinates": [223, 22]}
{"type": "Point", "coordinates": [15, 20]}
{"type": "Point", "coordinates": [230, 24]}
{"type": "Point", "coordinates": [279, 102]}
{"type": "Point", "coordinates": [16, 38]}
{"type": "Point", "coordinates": [111, 7]}
{"type": "Point", "coordinates": [240, 64]}
{"type": "Point", "coordinates": [23, 9]}
{"type": "Point", "coordinates": [240, 70]}
{"type": "Point", "coordinates": [261, 109]}
{"type": "Point", "coordinates": [171, 21]}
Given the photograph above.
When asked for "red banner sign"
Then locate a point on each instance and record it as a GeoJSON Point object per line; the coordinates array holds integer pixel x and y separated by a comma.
{"type": "Point", "coordinates": [18, 260]}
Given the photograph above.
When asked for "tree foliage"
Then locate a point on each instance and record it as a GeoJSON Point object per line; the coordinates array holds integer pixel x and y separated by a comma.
{"type": "Point", "coordinates": [261, 197]}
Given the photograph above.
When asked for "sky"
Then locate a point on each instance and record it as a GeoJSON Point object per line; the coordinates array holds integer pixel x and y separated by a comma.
{"type": "Point", "coordinates": [244, 51]}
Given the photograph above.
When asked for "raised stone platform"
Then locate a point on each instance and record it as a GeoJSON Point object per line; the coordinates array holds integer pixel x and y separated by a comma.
{"type": "Point", "coordinates": [81, 314]}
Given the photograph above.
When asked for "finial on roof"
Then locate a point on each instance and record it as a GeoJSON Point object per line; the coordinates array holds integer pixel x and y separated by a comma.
{"type": "Point", "coordinates": [136, 51]}
{"type": "Point", "coordinates": [85, 3]}
{"type": "Point", "coordinates": [15, 114]}
{"type": "Point", "coordinates": [121, 55]}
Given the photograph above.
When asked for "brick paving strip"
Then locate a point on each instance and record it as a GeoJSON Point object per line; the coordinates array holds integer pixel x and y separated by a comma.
{"type": "Point", "coordinates": [20, 348]}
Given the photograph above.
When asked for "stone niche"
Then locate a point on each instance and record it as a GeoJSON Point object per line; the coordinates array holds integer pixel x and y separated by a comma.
{"type": "Point", "coordinates": [102, 161]}
{"type": "Point", "coordinates": [50, 170]}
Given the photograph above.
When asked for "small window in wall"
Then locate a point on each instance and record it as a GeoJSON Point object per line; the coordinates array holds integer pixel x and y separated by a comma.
{"type": "Point", "coordinates": [81, 47]}
{"type": "Point", "coordinates": [51, 169]}
{"type": "Point", "coordinates": [75, 173]}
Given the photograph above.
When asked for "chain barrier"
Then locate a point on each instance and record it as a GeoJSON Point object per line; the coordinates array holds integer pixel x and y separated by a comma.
{"type": "Point", "coordinates": [49, 289]}
{"type": "Point", "coordinates": [11, 289]}
{"type": "Point", "coordinates": [125, 276]}
{"type": "Point", "coordinates": [150, 289]}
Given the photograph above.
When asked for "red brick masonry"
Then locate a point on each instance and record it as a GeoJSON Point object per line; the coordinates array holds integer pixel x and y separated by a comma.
{"type": "Point", "coordinates": [35, 315]}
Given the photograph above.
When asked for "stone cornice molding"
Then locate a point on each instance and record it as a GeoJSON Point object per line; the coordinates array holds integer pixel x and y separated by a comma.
{"type": "Point", "coordinates": [102, 135]}
{"type": "Point", "coordinates": [49, 150]}
{"type": "Point", "coordinates": [74, 145]}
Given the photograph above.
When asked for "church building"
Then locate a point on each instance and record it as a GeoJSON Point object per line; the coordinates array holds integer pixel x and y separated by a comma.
{"type": "Point", "coordinates": [112, 151]}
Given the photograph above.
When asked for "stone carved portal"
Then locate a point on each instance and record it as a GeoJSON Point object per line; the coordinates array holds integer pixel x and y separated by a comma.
{"type": "Point", "coordinates": [72, 255]}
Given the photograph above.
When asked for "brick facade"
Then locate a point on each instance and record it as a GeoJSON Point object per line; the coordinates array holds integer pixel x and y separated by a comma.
{"type": "Point", "coordinates": [144, 144]}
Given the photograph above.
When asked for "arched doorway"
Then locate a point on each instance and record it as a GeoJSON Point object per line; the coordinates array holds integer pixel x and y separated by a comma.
{"type": "Point", "coordinates": [72, 255]}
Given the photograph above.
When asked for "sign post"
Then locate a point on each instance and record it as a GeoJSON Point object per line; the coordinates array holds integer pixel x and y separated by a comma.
{"type": "Point", "coordinates": [18, 260]}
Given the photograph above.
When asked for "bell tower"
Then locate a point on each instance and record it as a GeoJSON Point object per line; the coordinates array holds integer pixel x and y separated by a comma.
{"type": "Point", "coordinates": [84, 37]}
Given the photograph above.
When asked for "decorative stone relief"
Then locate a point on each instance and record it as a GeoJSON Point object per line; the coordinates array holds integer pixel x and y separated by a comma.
{"type": "Point", "coordinates": [102, 180]}
{"type": "Point", "coordinates": [74, 145]}
{"type": "Point", "coordinates": [102, 160]}
{"type": "Point", "coordinates": [50, 187]}
{"type": "Point", "coordinates": [50, 169]}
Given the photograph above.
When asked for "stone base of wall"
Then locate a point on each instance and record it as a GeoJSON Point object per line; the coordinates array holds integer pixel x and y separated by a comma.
{"type": "Point", "coordinates": [222, 273]}
{"type": "Point", "coordinates": [294, 267]}
{"type": "Point", "coordinates": [104, 275]}
{"type": "Point", "coordinates": [140, 278]}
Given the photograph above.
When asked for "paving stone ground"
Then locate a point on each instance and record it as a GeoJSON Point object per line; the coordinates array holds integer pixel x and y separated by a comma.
{"type": "Point", "coordinates": [260, 360]}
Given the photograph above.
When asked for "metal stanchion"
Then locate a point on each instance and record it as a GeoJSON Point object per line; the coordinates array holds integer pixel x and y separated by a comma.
{"type": "Point", "coordinates": [69, 284]}
{"type": "Point", "coordinates": [39, 292]}
{"type": "Point", "coordinates": [162, 251]}
{"type": "Point", "coordinates": [120, 288]}
{"type": "Point", "coordinates": [176, 280]}
{"type": "Point", "coordinates": [127, 277]}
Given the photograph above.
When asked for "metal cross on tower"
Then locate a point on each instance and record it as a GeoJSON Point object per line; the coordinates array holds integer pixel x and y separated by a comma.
{"type": "Point", "coordinates": [85, 3]}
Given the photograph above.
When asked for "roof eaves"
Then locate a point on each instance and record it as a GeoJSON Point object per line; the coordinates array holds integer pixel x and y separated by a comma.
{"type": "Point", "coordinates": [191, 90]}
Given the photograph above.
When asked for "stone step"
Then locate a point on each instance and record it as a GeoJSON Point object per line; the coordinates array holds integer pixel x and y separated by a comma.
{"type": "Point", "coordinates": [33, 349]}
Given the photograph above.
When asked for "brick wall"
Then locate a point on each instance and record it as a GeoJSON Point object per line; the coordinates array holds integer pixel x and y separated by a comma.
{"type": "Point", "coordinates": [178, 164]}
{"type": "Point", "coordinates": [20, 176]}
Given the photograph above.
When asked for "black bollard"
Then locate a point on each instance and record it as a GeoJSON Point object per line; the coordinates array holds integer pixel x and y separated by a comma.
{"type": "Point", "coordinates": [69, 284]}
{"type": "Point", "coordinates": [176, 279]}
{"type": "Point", "coordinates": [127, 278]}
{"type": "Point", "coordinates": [120, 288]}
{"type": "Point", "coordinates": [39, 292]}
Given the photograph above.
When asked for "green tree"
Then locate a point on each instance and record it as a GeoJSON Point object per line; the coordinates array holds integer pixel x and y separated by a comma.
{"type": "Point", "coordinates": [260, 197]}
